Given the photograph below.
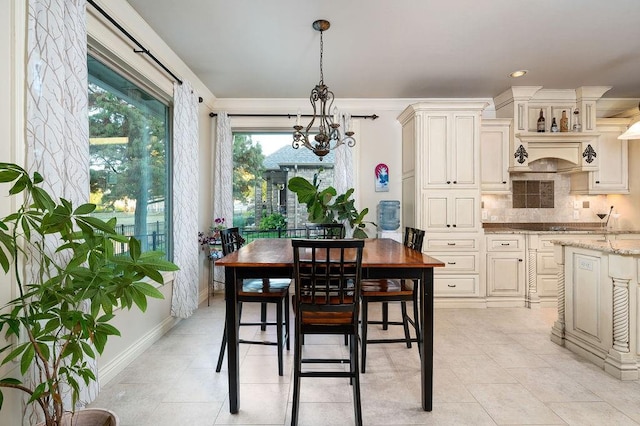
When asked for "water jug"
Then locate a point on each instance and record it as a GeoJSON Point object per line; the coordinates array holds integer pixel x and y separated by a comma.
{"type": "Point", "coordinates": [389, 215]}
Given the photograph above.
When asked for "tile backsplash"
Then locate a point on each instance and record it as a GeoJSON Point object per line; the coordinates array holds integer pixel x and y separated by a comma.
{"type": "Point", "coordinates": [529, 194]}
{"type": "Point", "coordinates": [565, 207]}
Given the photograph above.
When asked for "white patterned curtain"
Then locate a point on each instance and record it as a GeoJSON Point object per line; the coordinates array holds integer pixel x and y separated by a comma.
{"type": "Point", "coordinates": [57, 129]}
{"type": "Point", "coordinates": [223, 178]}
{"type": "Point", "coordinates": [343, 177]}
{"type": "Point", "coordinates": [185, 200]}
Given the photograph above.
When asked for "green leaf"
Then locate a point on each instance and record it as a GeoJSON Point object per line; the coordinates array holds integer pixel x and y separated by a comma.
{"type": "Point", "coordinates": [8, 175]}
{"type": "Point", "coordinates": [27, 359]}
{"type": "Point", "coordinates": [97, 224]}
{"type": "Point", "coordinates": [85, 209]}
{"type": "Point", "coordinates": [20, 185]}
{"type": "Point", "coordinates": [148, 290]}
{"type": "Point", "coordinates": [134, 248]}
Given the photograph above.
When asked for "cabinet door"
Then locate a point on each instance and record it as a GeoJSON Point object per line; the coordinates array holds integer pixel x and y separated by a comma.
{"type": "Point", "coordinates": [436, 151]}
{"type": "Point", "coordinates": [464, 216]}
{"type": "Point", "coordinates": [450, 211]}
{"type": "Point", "coordinates": [463, 150]}
{"type": "Point", "coordinates": [505, 274]}
{"type": "Point", "coordinates": [613, 173]}
{"type": "Point", "coordinates": [494, 155]}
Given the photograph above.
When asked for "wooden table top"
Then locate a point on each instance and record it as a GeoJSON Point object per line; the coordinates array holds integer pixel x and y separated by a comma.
{"type": "Point", "coordinates": [377, 253]}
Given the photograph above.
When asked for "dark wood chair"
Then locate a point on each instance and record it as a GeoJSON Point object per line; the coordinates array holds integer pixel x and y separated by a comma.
{"type": "Point", "coordinates": [327, 276]}
{"type": "Point", "coordinates": [261, 291]}
{"type": "Point", "coordinates": [325, 231]}
{"type": "Point", "coordinates": [392, 290]}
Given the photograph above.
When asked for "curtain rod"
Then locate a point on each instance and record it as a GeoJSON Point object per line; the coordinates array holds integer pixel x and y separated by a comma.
{"type": "Point", "coordinates": [142, 48]}
{"type": "Point", "coordinates": [213, 114]}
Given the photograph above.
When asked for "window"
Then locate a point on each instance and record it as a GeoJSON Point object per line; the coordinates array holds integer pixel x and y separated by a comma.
{"type": "Point", "coordinates": [129, 157]}
{"type": "Point", "coordinates": [263, 163]}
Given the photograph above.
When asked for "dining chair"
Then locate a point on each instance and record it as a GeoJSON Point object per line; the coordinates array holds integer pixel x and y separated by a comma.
{"type": "Point", "coordinates": [327, 276]}
{"type": "Point", "coordinates": [392, 290]}
{"type": "Point", "coordinates": [324, 231]}
{"type": "Point", "coordinates": [263, 291]}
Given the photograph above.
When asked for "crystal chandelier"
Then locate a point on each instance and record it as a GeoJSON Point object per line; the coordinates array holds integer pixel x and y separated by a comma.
{"type": "Point", "coordinates": [327, 135]}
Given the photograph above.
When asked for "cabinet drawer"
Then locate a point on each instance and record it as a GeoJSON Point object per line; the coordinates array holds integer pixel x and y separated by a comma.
{"type": "Point", "coordinates": [456, 286]}
{"type": "Point", "coordinates": [456, 263]}
{"type": "Point", "coordinates": [439, 244]}
{"type": "Point", "coordinates": [505, 243]}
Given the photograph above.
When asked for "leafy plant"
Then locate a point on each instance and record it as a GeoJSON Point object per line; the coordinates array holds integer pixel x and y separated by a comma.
{"type": "Point", "coordinates": [61, 315]}
{"type": "Point", "coordinates": [273, 221]}
{"type": "Point", "coordinates": [321, 209]}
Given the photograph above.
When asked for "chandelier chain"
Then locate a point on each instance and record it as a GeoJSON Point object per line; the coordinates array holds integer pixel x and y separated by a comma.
{"type": "Point", "coordinates": [321, 50]}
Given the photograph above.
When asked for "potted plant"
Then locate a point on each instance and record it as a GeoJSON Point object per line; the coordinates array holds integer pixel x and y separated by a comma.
{"type": "Point", "coordinates": [321, 209]}
{"type": "Point", "coordinates": [60, 318]}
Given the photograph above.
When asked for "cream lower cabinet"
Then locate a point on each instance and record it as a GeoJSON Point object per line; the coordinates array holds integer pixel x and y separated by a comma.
{"type": "Point", "coordinates": [542, 269]}
{"type": "Point", "coordinates": [460, 278]}
{"type": "Point", "coordinates": [505, 269]}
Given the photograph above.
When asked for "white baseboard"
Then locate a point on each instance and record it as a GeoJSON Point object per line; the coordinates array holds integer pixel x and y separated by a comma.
{"type": "Point", "coordinates": [108, 371]}
{"type": "Point", "coordinates": [459, 303]}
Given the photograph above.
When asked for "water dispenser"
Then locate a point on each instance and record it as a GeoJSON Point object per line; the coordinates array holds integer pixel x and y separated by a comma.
{"type": "Point", "coordinates": [388, 215]}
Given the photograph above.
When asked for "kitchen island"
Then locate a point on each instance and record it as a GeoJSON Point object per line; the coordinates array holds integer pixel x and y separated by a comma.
{"type": "Point", "coordinates": [598, 303]}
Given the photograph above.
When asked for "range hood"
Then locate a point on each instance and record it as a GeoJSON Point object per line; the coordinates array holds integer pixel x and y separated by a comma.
{"type": "Point", "coordinates": [573, 151]}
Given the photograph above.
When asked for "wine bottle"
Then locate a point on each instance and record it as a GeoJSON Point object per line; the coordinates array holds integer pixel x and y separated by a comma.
{"type": "Point", "coordinates": [541, 124]}
{"type": "Point", "coordinates": [554, 125]}
{"type": "Point", "coordinates": [564, 122]}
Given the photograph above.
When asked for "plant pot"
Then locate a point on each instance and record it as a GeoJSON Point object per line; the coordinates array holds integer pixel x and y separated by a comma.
{"type": "Point", "coordinates": [90, 417]}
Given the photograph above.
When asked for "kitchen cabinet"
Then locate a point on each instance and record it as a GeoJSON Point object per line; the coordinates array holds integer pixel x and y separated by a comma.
{"type": "Point", "coordinates": [505, 267]}
{"type": "Point", "coordinates": [450, 149]}
{"type": "Point", "coordinates": [612, 175]}
{"type": "Point", "coordinates": [452, 211]}
{"type": "Point", "coordinates": [441, 190]}
{"type": "Point", "coordinates": [494, 155]}
{"type": "Point", "coordinates": [460, 278]}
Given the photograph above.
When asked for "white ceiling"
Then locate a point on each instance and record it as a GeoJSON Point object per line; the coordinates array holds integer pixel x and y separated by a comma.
{"type": "Point", "coordinates": [402, 48]}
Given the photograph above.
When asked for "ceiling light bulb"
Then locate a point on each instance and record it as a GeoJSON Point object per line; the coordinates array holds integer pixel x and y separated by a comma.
{"type": "Point", "coordinates": [518, 73]}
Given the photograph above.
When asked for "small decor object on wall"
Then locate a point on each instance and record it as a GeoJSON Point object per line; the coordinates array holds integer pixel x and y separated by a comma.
{"type": "Point", "coordinates": [576, 121]}
{"type": "Point", "coordinates": [382, 178]}
{"type": "Point", "coordinates": [554, 125]}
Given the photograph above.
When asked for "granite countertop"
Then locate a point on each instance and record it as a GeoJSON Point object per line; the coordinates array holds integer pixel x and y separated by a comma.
{"type": "Point", "coordinates": [552, 228]}
{"type": "Point", "coordinates": [622, 247]}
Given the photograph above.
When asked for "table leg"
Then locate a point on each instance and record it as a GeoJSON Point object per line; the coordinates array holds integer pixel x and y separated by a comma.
{"type": "Point", "coordinates": [426, 318]}
{"type": "Point", "coordinates": [233, 358]}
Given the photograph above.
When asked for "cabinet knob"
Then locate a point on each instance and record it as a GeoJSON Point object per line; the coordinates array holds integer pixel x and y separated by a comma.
{"type": "Point", "coordinates": [451, 263]}
{"type": "Point", "coordinates": [455, 181]}
{"type": "Point", "coordinates": [454, 225]}
{"type": "Point", "coordinates": [451, 285]}
{"type": "Point", "coordinates": [448, 182]}
{"type": "Point", "coordinates": [448, 226]}
{"type": "Point", "coordinates": [597, 181]}
{"type": "Point", "coordinates": [451, 244]}
{"type": "Point", "coordinates": [504, 181]}
{"type": "Point", "coordinates": [519, 260]}
{"type": "Point", "coordinates": [505, 244]}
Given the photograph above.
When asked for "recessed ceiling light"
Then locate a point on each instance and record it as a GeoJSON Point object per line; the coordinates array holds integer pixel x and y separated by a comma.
{"type": "Point", "coordinates": [518, 73]}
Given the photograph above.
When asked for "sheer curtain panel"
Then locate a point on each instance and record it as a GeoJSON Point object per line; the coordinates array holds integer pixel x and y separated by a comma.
{"type": "Point", "coordinates": [185, 200]}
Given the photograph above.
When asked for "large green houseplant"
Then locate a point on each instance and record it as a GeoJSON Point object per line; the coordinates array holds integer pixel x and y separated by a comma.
{"type": "Point", "coordinates": [326, 206]}
{"type": "Point", "coordinates": [60, 316]}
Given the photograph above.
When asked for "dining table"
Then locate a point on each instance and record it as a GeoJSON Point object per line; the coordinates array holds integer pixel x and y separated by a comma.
{"type": "Point", "coordinates": [381, 258]}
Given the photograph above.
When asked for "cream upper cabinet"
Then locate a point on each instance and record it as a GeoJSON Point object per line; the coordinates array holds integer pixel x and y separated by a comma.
{"type": "Point", "coordinates": [450, 150]}
{"type": "Point", "coordinates": [612, 176]}
{"type": "Point", "coordinates": [494, 155]}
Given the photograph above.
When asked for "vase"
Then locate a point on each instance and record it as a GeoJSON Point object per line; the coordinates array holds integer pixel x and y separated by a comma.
{"type": "Point", "coordinates": [89, 417]}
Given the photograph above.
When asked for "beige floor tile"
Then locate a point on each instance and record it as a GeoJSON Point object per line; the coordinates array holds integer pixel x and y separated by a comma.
{"type": "Point", "coordinates": [491, 366]}
{"type": "Point", "coordinates": [590, 414]}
